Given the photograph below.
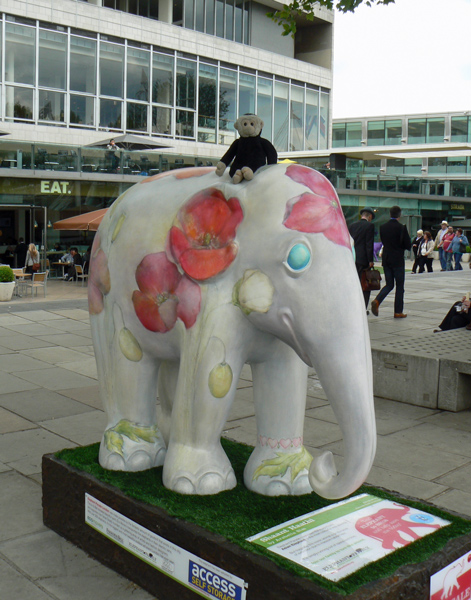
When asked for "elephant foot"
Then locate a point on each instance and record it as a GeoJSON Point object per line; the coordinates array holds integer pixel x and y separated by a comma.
{"type": "Point", "coordinates": [199, 472]}
{"type": "Point", "coordinates": [131, 447]}
{"type": "Point", "coordinates": [278, 470]}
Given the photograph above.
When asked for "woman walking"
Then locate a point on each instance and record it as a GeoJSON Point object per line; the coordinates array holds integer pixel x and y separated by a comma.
{"type": "Point", "coordinates": [426, 249]}
{"type": "Point", "coordinates": [458, 247]}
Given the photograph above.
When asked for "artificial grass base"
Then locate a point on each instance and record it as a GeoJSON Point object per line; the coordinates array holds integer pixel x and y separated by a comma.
{"type": "Point", "coordinates": [239, 513]}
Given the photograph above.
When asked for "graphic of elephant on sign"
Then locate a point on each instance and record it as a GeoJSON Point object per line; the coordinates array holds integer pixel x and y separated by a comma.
{"type": "Point", "coordinates": [191, 277]}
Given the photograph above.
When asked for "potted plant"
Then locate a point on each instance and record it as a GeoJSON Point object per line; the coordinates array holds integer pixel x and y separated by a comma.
{"type": "Point", "coordinates": [7, 283]}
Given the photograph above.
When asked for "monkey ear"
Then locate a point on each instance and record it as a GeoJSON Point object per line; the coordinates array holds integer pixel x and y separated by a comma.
{"type": "Point", "coordinates": [237, 125]}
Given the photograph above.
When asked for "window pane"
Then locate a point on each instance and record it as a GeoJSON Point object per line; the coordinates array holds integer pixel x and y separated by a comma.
{"type": "Point", "coordinates": [239, 17]}
{"type": "Point", "coordinates": [189, 14]}
{"type": "Point", "coordinates": [136, 116]}
{"type": "Point", "coordinates": [178, 12]}
{"type": "Point", "coordinates": [20, 53]}
{"type": "Point", "coordinates": [227, 106]}
{"type": "Point", "coordinates": [393, 132]}
{"type": "Point", "coordinates": [19, 103]}
{"type": "Point", "coordinates": [161, 120]}
{"type": "Point", "coordinates": [280, 134]}
{"type": "Point", "coordinates": [51, 106]}
{"type": "Point", "coordinates": [459, 129]}
{"type": "Point", "coordinates": [412, 165]}
{"type": "Point", "coordinates": [437, 165]}
{"type": "Point", "coordinates": [186, 82]}
{"type": "Point", "coordinates": [312, 119]}
{"type": "Point", "coordinates": [339, 135]}
{"type": "Point", "coordinates": [246, 94]}
{"type": "Point", "coordinates": [207, 104]}
{"type": "Point", "coordinates": [435, 130]}
{"type": "Point", "coordinates": [246, 23]}
{"type": "Point", "coordinates": [110, 114]}
{"type": "Point", "coordinates": [82, 110]}
{"type": "Point", "coordinates": [456, 164]}
{"type": "Point", "coordinates": [229, 19]}
{"type": "Point", "coordinates": [324, 122]}
{"type": "Point", "coordinates": [220, 18]}
{"type": "Point", "coordinates": [52, 59]}
{"type": "Point", "coordinates": [138, 74]}
{"type": "Point", "coordinates": [354, 134]}
{"type": "Point", "coordinates": [162, 79]}
{"type": "Point", "coordinates": [199, 14]}
{"type": "Point", "coordinates": [111, 69]}
{"type": "Point", "coordinates": [264, 105]}
{"type": "Point", "coordinates": [375, 133]}
{"type": "Point", "coordinates": [210, 17]}
{"type": "Point", "coordinates": [416, 131]}
{"type": "Point", "coordinates": [83, 61]}
{"type": "Point", "coordinates": [297, 118]}
{"type": "Point", "coordinates": [395, 166]}
{"type": "Point", "coordinates": [185, 124]}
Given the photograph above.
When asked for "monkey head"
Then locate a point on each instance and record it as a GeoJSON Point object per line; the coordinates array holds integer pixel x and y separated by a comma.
{"type": "Point", "coordinates": [249, 125]}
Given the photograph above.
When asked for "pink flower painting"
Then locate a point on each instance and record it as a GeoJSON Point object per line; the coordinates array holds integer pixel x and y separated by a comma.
{"type": "Point", "coordinates": [164, 295]}
{"type": "Point", "coordinates": [203, 240]}
{"type": "Point", "coordinates": [316, 212]}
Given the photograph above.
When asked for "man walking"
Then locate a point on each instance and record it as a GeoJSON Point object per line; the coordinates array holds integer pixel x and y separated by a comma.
{"type": "Point", "coordinates": [363, 232]}
{"type": "Point", "coordinates": [439, 245]}
{"type": "Point", "coordinates": [396, 239]}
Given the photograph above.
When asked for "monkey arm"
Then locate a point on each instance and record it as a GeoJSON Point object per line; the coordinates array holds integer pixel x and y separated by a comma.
{"type": "Point", "coordinates": [270, 151]}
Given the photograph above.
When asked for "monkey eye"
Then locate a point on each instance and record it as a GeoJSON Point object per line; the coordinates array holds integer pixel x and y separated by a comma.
{"type": "Point", "coordinates": [251, 124]}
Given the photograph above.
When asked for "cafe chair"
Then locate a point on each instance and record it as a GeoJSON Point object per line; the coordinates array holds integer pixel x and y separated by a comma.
{"type": "Point", "coordinates": [39, 280]}
{"type": "Point", "coordinates": [80, 271]}
{"type": "Point", "coordinates": [19, 281]}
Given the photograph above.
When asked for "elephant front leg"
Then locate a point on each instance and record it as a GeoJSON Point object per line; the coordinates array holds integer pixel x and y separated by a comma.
{"type": "Point", "coordinates": [128, 388]}
{"type": "Point", "coordinates": [196, 462]}
{"type": "Point", "coordinates": [279, 463]}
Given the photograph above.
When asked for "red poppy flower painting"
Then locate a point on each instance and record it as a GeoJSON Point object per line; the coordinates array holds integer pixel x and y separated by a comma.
{"type": "Point", "coordinates": [319, 212]}
{"type": "Point", "coordinates": [203, 241]}
{"type": "Point", "coordinates": [99, 283]}
{"type": "Point", "coordinates": [164, 295]}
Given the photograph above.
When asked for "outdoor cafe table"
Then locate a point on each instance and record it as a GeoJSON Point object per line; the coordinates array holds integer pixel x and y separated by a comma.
{"type": "Point", "coordinates": [61, 264]}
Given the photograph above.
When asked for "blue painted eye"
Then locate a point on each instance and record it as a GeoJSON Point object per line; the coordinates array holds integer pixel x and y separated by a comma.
{"type": "Point", "coordinates": [299, 257]}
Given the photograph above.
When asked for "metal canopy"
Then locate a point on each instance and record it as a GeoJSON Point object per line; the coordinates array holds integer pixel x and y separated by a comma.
{"type": "Point", "coordinates": [130, 142]}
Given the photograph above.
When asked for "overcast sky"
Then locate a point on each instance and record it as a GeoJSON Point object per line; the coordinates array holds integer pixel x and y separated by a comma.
{"type": "Point", "coordinates": [413, 56]}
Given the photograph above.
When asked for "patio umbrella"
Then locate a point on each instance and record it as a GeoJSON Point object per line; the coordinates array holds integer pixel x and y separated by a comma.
{"type": "Point", "coordinates": [130, 142]}
{"type": "Point", "coordinates": [85, 222]}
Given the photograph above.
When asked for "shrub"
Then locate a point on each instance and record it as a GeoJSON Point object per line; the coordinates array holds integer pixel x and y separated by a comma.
{"type": "Point", "coordinates": [6, 275]}
{"type": "Point", "coordinates": [468, 249]}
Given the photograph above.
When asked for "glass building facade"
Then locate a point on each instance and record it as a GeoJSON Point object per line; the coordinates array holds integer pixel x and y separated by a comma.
{"type": "Point", "coordinates": [55, 75]}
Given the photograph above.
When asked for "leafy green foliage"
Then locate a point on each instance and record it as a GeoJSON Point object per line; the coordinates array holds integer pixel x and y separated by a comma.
{"type": "Point", "coordinates": [6, 275]}
{"type": "Point", "coordinates": [286, 16]}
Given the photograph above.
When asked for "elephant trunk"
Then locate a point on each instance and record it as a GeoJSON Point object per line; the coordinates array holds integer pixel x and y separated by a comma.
{"type": "Point", "coordinates": [349, 389]}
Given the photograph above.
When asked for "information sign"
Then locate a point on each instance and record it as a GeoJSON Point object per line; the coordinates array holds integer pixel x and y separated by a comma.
{"type": "Point", "coordinates": [453, 582]}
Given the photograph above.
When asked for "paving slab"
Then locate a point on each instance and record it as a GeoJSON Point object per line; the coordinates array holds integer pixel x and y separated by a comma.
{"type": "Point", "coordinates": [77, 314]}
{"type": "Point", "coordinates": [25, 342]}
{"type": "Point", "coordinates": [10, 422]}
{"type": "Point", "coordinates": [84, 366]}
{"type": "Point", "coordinates": [34, 329]}
{"type": "Point", "coordinates": [86, 428]}
{"type": "Point", "coordinates": [89, 395]}
{"type": "Point", "coordinates": [66, 571]}
{"type": "Point", "coordinates": [14, 585]}
{"type": "Point", "coordinates": [459, 479]}
{"type": "Point", "coordinates": [12, 319]}
{"type": "Point", "coordinates": [23, 450]}
{"type": "Point", "coordinates": [37, 315]}
{"type": "Point", "coordinates": [404, 484]}
{"type": "Point", "coordinates": [12, 363]}
{"type": "Point", "coordinates": [437, 438]}
{"type": "Point", "coordinates": [455, 500]}
{"type": "Point", "coordinates": [69, 340]}
{"type": "Point", "coordinates": [449, 420]}
{"type": "Point", "coordinates": [10, 383]}
{"type": "Point", "coordinates": [5, 350]}
{"type": "Point", "coordinates": [20, 507]}
{"type": "Point", "coordinates": [69, 325]}
{"type": "Point", "coordinates": [55, 354]}
{"type": "Point", "coordinates": [41, 405]}
{"type": "Point", "coordinates": [56, 378]}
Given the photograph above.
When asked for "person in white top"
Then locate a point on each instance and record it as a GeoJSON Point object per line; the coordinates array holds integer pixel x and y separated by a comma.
{"type": "Point", "coordinates": [438, 244]}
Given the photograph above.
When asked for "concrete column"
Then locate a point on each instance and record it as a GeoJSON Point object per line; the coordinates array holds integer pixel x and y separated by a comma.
{"type": "Point", "coordinates": [165, 11]}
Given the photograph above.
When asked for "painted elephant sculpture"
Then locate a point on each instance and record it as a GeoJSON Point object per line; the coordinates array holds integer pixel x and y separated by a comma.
{"type": "Point", "coordinates": [191, 277]}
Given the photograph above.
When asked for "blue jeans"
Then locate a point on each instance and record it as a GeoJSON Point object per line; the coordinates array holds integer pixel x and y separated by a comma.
{"type": "Point", "coordinates": [394, 275]}
{"type": "Point", "coordinates": [442, 257]}
{"type": "Point", "coordinates": [449, 261]}
{"type": "Point", "coordinates": [457, 256]}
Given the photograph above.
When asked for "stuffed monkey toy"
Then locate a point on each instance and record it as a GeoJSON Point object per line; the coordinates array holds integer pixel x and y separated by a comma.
{"type": "Point", "coordinates": [249, 152]}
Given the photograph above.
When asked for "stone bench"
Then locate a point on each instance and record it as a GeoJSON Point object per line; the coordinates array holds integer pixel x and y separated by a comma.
{"type": "Point", "coordinates": [433, 370]}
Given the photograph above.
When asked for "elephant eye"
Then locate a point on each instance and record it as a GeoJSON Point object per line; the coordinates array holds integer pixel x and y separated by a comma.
{"type": "Point", "coordinates": [299, 258]}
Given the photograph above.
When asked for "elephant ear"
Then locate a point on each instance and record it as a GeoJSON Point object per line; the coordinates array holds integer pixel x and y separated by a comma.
{"type": "Point", "coordinates": [254, 292]}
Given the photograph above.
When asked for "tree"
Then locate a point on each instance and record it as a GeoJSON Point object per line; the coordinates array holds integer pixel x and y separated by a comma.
{"type": "Point", "coordinates": [286, 16]}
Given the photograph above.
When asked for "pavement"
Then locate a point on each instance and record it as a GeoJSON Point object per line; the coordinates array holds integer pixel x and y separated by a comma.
{"type": "Point", "coordinates": [49, 400]}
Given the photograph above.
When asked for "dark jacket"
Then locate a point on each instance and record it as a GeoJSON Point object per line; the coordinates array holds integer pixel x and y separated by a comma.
{"type": "Point", "coordinates": [396, 239]}
{"type": "Point", "coordinates": [253, 152]}
{"type": "Point", "coordinates": [363, 233]}
{"type": "Point", "coordinates": [20, 252]}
